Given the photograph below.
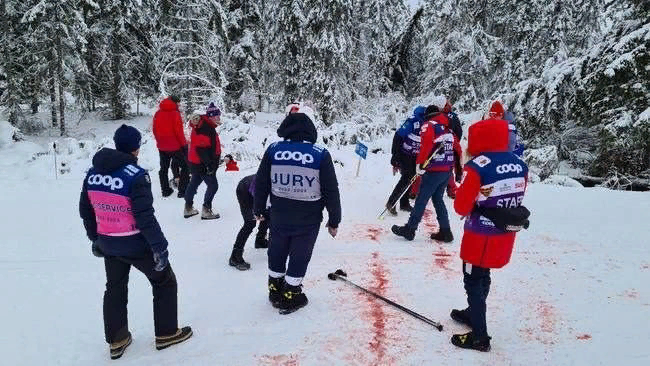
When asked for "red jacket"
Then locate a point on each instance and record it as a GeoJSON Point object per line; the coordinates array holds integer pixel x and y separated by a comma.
{"type": "Point", "coordinates": [205, 146]}
{"type": "Point", "coordinates": [168, 127]}
{"type": "Point", "coordinates": [434, 133]}
{"type": "Point", "coordinates": [232, 166]}
{"type": "Point", "coordinates": [494, 178]}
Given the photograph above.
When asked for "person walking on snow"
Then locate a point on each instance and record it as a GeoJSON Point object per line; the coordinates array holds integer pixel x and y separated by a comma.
{"type": "Point", "coordinates": [406, 146]}
{"type": "Point", "coordinates": [438, 144]}
{"type": "Point", "coordinates": [245, 197]}
{"type": "Point", "coordinates": [172, 145]}
{"type": "Point", "coordinates": [116, 206]}
{"type": "Point", "coordinates": [490, 196]}
{"type": "Point", "coordinates": [204, 157]}
{"type": "Point", "coordinates": [300, 179]}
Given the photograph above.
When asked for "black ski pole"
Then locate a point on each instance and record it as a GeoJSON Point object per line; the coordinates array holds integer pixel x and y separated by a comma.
{"type": "Point", "coordinates": [341, 275]}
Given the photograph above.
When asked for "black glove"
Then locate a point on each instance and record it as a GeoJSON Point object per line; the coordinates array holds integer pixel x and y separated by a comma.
{"type": "Point", "coordinates": [161, 260]}
{"type": "Point", "coordinates": [96, 251]}
{"type": "Point", "coordinates": [458, 172]}
{"type": "Point", "coordinates": [394, 160]}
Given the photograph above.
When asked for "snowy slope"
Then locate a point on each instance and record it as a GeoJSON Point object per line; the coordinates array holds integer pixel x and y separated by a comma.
{"type": "Point", "coordinates": [575, 292]}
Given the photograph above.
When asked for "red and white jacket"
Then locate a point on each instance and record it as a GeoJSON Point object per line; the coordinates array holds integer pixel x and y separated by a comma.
{"type": "Point", "coordinates": [434, 133]}
{"type": "Point", "coordinates": [493, 178]}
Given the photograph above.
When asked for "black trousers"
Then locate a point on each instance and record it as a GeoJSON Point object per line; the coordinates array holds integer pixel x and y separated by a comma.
{"type": "Point", "coordinates": [245, 200]}
{"type": "Point", "coordinates": [177, 159]}
{"type": "Point", "coordinates": [477, 286]}
{"type": "Point", "coordinates": [407, 170]}
{"type": "Point", "coordinates": [164, 288]}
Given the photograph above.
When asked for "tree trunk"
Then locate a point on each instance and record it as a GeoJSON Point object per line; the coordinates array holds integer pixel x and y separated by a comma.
{"type": "Point", "coordinates": [52, 87]}
{"type": "Point", "coordinates": [59, 79]}
{"type": "Point", "coordinates": [116, 102]}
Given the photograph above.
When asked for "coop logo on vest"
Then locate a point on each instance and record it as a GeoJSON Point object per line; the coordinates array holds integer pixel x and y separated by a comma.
{"type": "Point", "coordinates": [106, 180]}
{"type": "Point", "coordinates": [294, 155]}
{"type": "Point", "coordinates": [509, 168]}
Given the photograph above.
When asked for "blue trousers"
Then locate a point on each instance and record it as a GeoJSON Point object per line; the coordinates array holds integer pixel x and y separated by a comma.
{"type": "Point", "coordinates": [477, 286]}
{"type": "Point", "coordinates": [199, 175]}
{"type": "Point", "coordinates": [432, 187]}
{"type": "Point", "coordinates": [295, 243]}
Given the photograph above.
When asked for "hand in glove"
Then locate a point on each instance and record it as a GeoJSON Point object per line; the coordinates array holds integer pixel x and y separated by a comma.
{"type": "Point", "coordinates": [459, 172]}
{"type": "Point", "coordinates": [96, 251]}
{"type": "Point", "coordinates": [419, 170]}
{"type": "Point", "coordinates": [160, 260]}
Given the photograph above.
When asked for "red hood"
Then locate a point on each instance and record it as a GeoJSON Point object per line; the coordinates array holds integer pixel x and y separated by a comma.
{"type": "Point", "coordinates": [490, 135]}
{"type": "Point", "coordinates": [168, 105]}
{"type": "Point", "coordinates": [440, 118]}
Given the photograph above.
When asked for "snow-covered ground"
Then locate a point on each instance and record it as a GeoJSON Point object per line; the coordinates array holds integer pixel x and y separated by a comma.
{"type": "Point", "coordinates": [575, 293]}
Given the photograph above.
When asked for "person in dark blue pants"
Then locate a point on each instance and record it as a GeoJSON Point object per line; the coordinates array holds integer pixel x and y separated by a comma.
{"type": "Point", "coordinates": [433, 186]}
{"type": "Point", "coordinates": [439, 150]}
{"type": "Point", "coordinates": [300, 179]}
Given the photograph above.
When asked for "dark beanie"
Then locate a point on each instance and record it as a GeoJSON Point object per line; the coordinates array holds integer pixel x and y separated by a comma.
{"type": "Point", "coordinates": [127, 139]}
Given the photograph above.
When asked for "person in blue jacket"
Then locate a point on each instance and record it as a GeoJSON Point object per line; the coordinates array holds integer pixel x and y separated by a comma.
{"type": "Point", "coordinates": [514, 145]}
{"type": "Point", "coordinates": [116, 206]}
{"type": "Point", "coordinates": [405, 148]}
{"type": "Point", "coordinates": [300, 179]}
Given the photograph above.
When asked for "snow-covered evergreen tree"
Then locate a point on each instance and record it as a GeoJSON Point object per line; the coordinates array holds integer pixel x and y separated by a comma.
{"type": "Point", "coordinates": [191, 46]}
{"type": "Point", "coordinates": [245, 27]}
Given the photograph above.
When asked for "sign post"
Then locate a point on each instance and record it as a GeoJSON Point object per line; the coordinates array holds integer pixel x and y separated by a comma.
{"type": "Point", "coordinates": [56, 174]}
{"type": "Point", "coordinates": [362, 151]}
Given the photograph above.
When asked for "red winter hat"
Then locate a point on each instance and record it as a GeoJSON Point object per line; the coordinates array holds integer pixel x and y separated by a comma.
{"type": "Point", "coordinates": [496, 110]}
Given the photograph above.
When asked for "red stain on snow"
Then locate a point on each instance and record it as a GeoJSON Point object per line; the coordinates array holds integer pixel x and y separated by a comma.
{"type": "Point", "coordinates": [374, 232]}
{"type": "Point", "coordinates": [631, 294]}
{"type": "Point", "coordinates": [584, 337]}
{"type": "Point", "coordinates": [365, 231]}
{"type": "Point", "coordinates": [545, 333]}
{"type": "Point", "coordinates": [441, 259]}
{"type": "Point", "coordinates": [280, 360]}
{"type": "Point", "coordinates": [430, 221]}
{"type": "Point", "coordinates": [547, 314]}
{"type": "Point", "coordinates": [377, 315]}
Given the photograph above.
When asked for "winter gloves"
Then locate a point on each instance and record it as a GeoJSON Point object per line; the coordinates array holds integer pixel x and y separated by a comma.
{"type": "Point", "coordinates": [96, 251]}
{"type": "Point", "coordinates": [160, 260]}
{"type": "Point", "coordinates": [419, 170]}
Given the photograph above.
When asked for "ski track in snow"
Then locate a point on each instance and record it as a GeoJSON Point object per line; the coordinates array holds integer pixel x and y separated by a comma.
{"type": "Point", "coordinates": [550, 306]}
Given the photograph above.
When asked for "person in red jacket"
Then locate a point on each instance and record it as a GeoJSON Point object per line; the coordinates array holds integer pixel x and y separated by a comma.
{"type": "Point", "coordinates": [490, 197]}
{"type": "Point", "coordinates": [434, 163]}
{"type": "Point", "coordinates": [231, 164]}
{"type": "Point", "coordinates": [171, 143]}
{"type": "Point", "coordinates": [204, 156]}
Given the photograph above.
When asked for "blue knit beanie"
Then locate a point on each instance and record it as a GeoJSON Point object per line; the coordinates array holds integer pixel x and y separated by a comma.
{"type": "Point", "coordinates": [127, 139]}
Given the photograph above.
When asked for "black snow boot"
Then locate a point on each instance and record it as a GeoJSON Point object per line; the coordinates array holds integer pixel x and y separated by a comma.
{"type": "Point", "coordinates": [261, 242]}
{"type": "Point", "coordinates": [461, 316]}
{"type": "Point", "coordinates": [167, 192]}
{"type": "Point", "coordinates": [181, 335]}
{"type": "Point", "coordinates": [444, 236]}
{"type": "Point", "coordinates": [117, 348]}
{"type": "Point", "coordinates": [469, 341]}
{"type": "Point", "coordinates": [391, 209]}
{"type": "Point", "coordinates": [292, 299]}
{"type": "Point", "coordinates": [237, 260]}
{"type": "Point", "coordinates": [403, 231]}
{"type": "Point", "coordinates": [276, 287]}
